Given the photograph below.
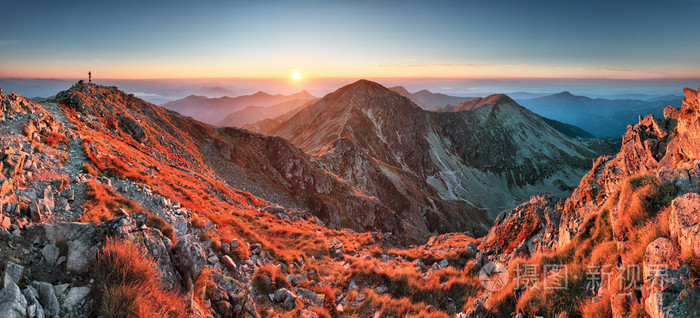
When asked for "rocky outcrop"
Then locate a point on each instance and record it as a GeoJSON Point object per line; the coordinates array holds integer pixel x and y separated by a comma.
{"type": "Point", "coordinates": [685, 222]}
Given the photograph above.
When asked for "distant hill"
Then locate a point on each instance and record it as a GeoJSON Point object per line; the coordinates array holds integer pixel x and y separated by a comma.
{"type": "Point", "coordinates": [212, 110]}
{"type": "Point", "coordinates": [252, 114]}
{"type": "Point", "coordinates": [427, 99]}
{"type": "Point", "coordinates": [599, 116]}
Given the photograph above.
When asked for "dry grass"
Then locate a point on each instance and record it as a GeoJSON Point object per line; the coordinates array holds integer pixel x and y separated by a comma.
{"type": "Point", "coordinates": [103, 201]}
{"type": "Point", "coordinates": [128, 285]}
{"type": "Point", "coordinates": [271, 272]}
{"type": "Point", "coordinates": [159, 223]}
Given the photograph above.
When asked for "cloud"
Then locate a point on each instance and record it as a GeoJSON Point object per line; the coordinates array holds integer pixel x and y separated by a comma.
{"type": "Point", "coordinates": [4, 43]}
{"type": "Point", "coordinates": [438, 65]}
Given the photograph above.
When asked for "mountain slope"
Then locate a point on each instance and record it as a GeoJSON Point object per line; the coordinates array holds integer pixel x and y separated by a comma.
{"type": "Point", "coordinates": [211, 110]}
{"type": "Point", "coordinates": [488, 158]}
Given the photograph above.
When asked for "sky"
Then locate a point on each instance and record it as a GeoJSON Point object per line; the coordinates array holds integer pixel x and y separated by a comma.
{"type": "Point", "coordinates": [350, 39]}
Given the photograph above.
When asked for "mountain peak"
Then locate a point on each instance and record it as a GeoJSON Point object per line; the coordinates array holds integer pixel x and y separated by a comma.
{"type": "Point", "coordinates": [491, 100]}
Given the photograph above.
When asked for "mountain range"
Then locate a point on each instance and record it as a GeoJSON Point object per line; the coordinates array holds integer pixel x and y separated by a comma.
{"type": "Point", "coordinates": [437, 166]}
{"type": "Point", "coordinates": [599, 116]}
{"type": "Point", "coordinates": [212, 110]}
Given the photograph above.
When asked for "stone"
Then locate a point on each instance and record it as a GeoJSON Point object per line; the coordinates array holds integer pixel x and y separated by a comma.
{"type": "Point", "coordinates": [292, 280]}
{"type": "Point", "coordinates": [35, 212]}
{"type": "Point", "coordinates": [335, 248]}
{"type": "Point", "coordinates": [47, 297]}
{"type": "Point", "coordinates": [51, 253]}
{"type": "Point", "coordinates": [234, 244]}
{"type": "Point", "coordinates": [443, 263]}
{"type": "Point", "coordinates": [81, 239]}
{"type": "Point", "coordinates": [12, 302]}
{"type": "Point", "coordinates": [189, 258]}
{"type": "Point", "coordinates": [659, 254]}
{"type": "Point", "coordinates": [34, 308]}
{"type": "Point", "coordinates": [685, 222]}
{"type": "Point", "coordinates": [314, 298]}
{"type": "Point", "coordinates": [60, 289]}
{"type": "Point", "coordinates": [669, 294]}
{"type": "Point", "coordinates": [74, 298]}
{"type": "Point", "coordinates": [228, 262]}
{"type": "Point", "coordinates": [13, 274]}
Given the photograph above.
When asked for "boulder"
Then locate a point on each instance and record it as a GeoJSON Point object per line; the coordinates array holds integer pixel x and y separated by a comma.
{"type": "Point", "coordinates": [47, 297]}
{"type": "Point", "coordinates": [228, 262]}
{"type": "Point", "coordinates": [34, 308]}
{"type": "Point", "coordinates": [189, 258]}
{"type": "Point", "coordinates": [659, 254]}
{"type": "Point", "coordinates": [50, 253]}
{"type": "Point", "coordinates": [81, 239]}
{"type": "Point", "coordinates": [685, 222]}
{"type": "Point", "coordinates": [670, 294]}
{"type": "Point", "coordinates": [13, 274]}
{"type": "Point", "coordinates": [74, 299]}
{"type": "Point", "coordinates": [12, 302]}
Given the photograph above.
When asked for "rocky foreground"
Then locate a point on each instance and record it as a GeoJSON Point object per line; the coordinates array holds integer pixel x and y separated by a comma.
{"type": "Point", "coordinates": [114, 207]}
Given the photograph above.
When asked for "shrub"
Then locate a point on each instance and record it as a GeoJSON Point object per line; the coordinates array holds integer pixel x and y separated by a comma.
{"type": "Point", "coordinates": [128, 285]}
{"type": "Point", "coordinates": [271, 272]}
{"type": "Point", "coordinates": [159, 223]}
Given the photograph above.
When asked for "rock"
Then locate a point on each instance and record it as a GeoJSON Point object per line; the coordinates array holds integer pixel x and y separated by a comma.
{"type": "Point", "coordinates": [314, 298]}
{"type": "Point", "coordinates": [50, 253]}
{"type": "Point", "coordinates": [359, 299]}
{"type": "Point", "coordinates": [228, 262]}
{"type": "Point", "coordinates": [280, 295]}
{"type": "Point", "coordinates": [659, 253]}
{"type": "Point", "coordinates": [13, 274]}
{"type": "Point", "coordinates": [213, 259]}
{"type": "Point", "coordinates": [292, 280]}
{"type": "Point", "coordinates": [234, 244]}
{"type": "Point", "coordinates": [35, 212]}
{"type": "Point", "coordinates": [669, 294]}
{"type": "Point", "coordinates": [443, 263]}
{"type": "Point", "coordinates": [81, 239]}
{"type": "Point", "coordinates": [60, 289]}
{"type": "Point", "coordinates": [34, 308]}
{"type": "Point", "coordinates": [12, 302]}
{"type": "Point", "coordinates": [47, 297]}
{"type": "Point", "coordinates": [74, 298]}
{"type": "Point", "coordinates": [621, 304]}
{"type": "Point", "coordinates": [381, 289]}
{"type": "Point", "coordinates": [335, 248]}
{"type": "Point", "coordinates": [189, 258]}
{"type": "Point", "coordinates": [685, 222]}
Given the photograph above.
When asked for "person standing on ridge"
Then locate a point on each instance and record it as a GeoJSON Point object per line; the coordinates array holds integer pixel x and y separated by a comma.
{"type": "Point", "coordinates": [89, 77]}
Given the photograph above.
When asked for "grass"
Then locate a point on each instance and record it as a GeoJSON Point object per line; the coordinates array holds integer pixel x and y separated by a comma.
{"type": "Point", "coordinates": [159, 223]}
{"type": "Point", "coordinates": [127, 285]}
{"type": "Point", "coordinates": [271, 272]}
{"type": "Point", "coordinates": [103, 201]}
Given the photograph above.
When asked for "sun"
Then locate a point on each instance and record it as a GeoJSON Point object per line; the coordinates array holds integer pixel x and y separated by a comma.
{"type": "Point", "coordinates": [296, 75]}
